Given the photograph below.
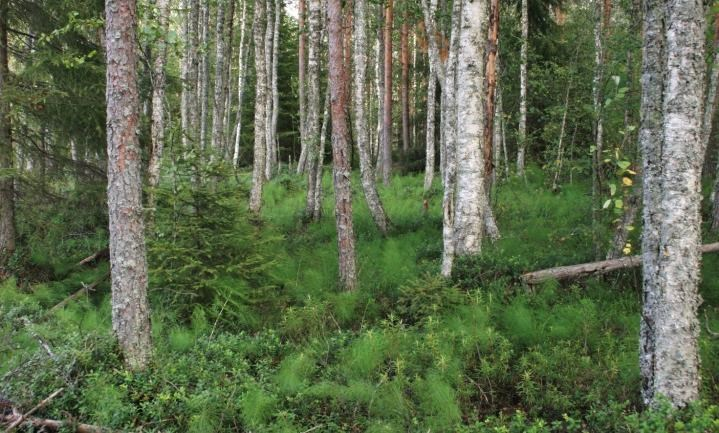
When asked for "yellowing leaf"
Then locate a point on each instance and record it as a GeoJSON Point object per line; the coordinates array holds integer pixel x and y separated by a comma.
{"type": "Point", "coordinates": [627, 181]}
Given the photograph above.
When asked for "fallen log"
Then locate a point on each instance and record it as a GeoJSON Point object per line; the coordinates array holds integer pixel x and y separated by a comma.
{"type": "Point", "coordinates": [103, 253]}
{"type": "Point", "coordinates": [573, 272]}
{"type": "Point", "coordinates": [21, 418]}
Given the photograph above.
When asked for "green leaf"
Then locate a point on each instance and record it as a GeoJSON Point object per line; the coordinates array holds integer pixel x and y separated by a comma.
{"type": "Point", "coordinates": [606, 204]}
{"type": "Point", "coordinates": [624, 164]}
{"type": "Point", "coordinates": [618, 203]}
{"type": "Point", "coordinates": [612, 189]}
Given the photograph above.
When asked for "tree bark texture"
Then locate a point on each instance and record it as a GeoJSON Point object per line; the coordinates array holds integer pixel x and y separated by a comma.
{"type": "Point", "coordinates": [386, 144]}
{"type": "Point", "coordinates": [218, 107]}
{"type": "Point", "coordinates": [269, 46]}
{"type": "Point", "coordinates": [275, 92]}
{"type": "Point", "coordinates": [671, 139]}
{"type": "Point", "coordinates": [258, 163]}
{"type": "Point", "coordinates": [312, 120]}
{"type": "Point", "coordinates": [404, 86]}
{"type": "Point", "coordinates": [189, 68]}
{"type": "Point", "coordinates": [241, 74]}
{"type": "Point", "coordinates": [203, 80]}
{"type": "Point", "coordinates": [522, 136]}
{"type": "Point", "coordinates": [130, 308]}
{"type": "Point", "coordinates": [491, 76]}
{"type": "Point", "coordinates": [302, 60]}
{"type": "Point", "coordinates": [341, 170]}
{"type": "Point", "coordinates": [7, 189]}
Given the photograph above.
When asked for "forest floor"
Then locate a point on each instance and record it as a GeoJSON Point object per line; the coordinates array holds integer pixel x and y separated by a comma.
{"type": "Point", "coordinates": [271, 345]}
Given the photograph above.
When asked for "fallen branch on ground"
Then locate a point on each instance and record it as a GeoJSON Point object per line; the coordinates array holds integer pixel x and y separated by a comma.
{"type": "Point", "coordinates": [85, 289]}
{"type": "Point", "coordinates": [19, 419]}
{"type": "Point", "coordinates": [55, 425]}
{"type": "Point", "coordinates": [573, 272]}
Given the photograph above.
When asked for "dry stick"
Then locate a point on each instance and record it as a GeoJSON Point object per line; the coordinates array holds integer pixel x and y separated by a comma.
{"type": "Point", "coordinates": [57, 425]}
{"type": "Point", "coordinates": [40, 405]}
{"type": "Point", "coordinates": [88, 259]}
{"type": "Point", "coordinates": [85, 289]}
{"type": "Point", "coordinates": [594, 268]}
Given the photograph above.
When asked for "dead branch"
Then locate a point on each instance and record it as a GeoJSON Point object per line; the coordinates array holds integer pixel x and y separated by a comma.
{"type": "Point", "coordinates": [40, 405]}
{"type": "Point", "coordinates": [85, 289]}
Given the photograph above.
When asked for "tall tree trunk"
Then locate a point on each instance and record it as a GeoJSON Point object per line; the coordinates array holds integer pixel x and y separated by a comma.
{"type": "Point", "coordinates": [341, 170]}
{"type": "Point", "coordinates": [430, 150]}
{"type": "Point", "coordinates": [471, 200]}
{"type": "Point", "coordinates": [404, 85]}
{"type": "Point", "coordinates": [522, 136]}
{"type": "Point", "coordinates": [709, 108]}
{"type": "Point", "coordinates": [301, 162]}
{"type": "Point", "coordinates": [269, 44]}
{"type": "Point", "coordinates": [361, 127]}
{"type": "Point", "coordinates": [387, 106]}
{"type": "Point", "coordinates": [317, 211]}
{"type": "Point", "coordinates": [312, 121]}
{"type": "Point", "coordinates": [218, 107]}
{"type": "Point", "coordinates": [491, 74]}
{"type": "Point", "coordinates": [158, 102]}
{"type": "Point", "coordinates": [227, 88]}
{"type": "Point", "coordinates": [258, 163]}
{"type": "Point", "coordinates": [7, 188]}
{"type": "Point", "coordinates": [241, 74]}
{"type": "Point", "coordinates": [203, 82]}
{"type": "Point", "coordinates": [449, 143]}
{"type": "Point", "coordinates": [379, 82]}
{"type": "Point", "coordinates": [189, 70]}
{"type": "Point", "coordinates": [670, 136]}
{"type": "Point", "coordinates": [130, 309]}
{"type": "Point", "coordinates": [275, 92]}
{"type": "Point", "coordinates": [598, 103]}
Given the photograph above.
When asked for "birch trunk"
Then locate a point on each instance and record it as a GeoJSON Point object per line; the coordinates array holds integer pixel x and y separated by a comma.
{"type": "Point", "coordinates": [7, 183]}
{"type": "Point", "coordinates": [340, 150]}
{"type": "Point", "coordinates": [130, 309]}
{"type": "Point", "coordinates": [218, 107]}
{"type": "Point", "coordinates": [598, 102]}
{"type": "Point", "coordinates": [430, 138]}
{"type": "Point", "coordinates": [275, 92]}
{"type": "Point", "coordinates": [227, 88]}
{"type": "Point", "coordinates": [241, 74]}
{"type": "Point", "coordinates": [269, 43]}
{"type": "Point", "coordinates": [386, 144]}
{"type": "Point", "coordinates": [671, 140]}
{"type": "Point", "coordinates": [471, 201]}
{"type": "Point", "coordinates": [361, 127]}
{"type": "Point", "coordinates": [709, 108]}
{"type": "Point", "coordinates": [258, 163]}
{"type": "Point", "coordinates": [302, 161]}
{"type": "Point", "coordinates": [317, 211]}
{"type": "Point", "coordinates": [189, 69]}
{"type": "Point", "coordinates": [203, 89]}
{"type": "Point", "coordinates": [312, 120]}
{"type": "Point", "coordinates": [522, 136]}
{"type": "Point", "coordinates": [379, 82]}
{"type": "Point", "coordinates": [449, 135]}
{"type": "Point", "coordinates": [157, 126]}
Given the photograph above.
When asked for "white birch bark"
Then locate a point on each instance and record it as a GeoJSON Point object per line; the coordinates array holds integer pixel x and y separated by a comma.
{"type": "Point", "coordinates": [313, 101]}
{"type": "Point", "coordinates": [361, 128]}
{"type": "Point", "coordinates": [275, 93]}
{"type": "Point", "coordinates": [241, 74]}
{"type": "Point", "coordinates": [671, 138]}
{"type": "Point", "coordinates": [203, 85]}
{"type": "Point", "coordinates": [218, 107]}
{"type": "Point", "coordinates": [522, 136]}
{"type": "Point", "coordinates": [269, 44]}
{"type": "Point", "coordinates": [157, 126]}
{"type": "Point", "coordinates": [258, 163]}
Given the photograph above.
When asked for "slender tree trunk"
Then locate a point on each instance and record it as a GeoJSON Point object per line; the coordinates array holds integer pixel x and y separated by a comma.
{"type": "Point", "coordinates": [709, 109]}
{"type": "Point", "coordinates": [491, 76]}
{"type": "Point", "coordinates": [303, 86]}
{"type": "Point", "coordinates": [670, 135]}
{"type": "Point", "coordinates": [269, 43]}
{"type": "Point", "coordinates": [387, 106]}
{"type": "Point", "coordinates": [340, 150]}
{"type": "Point", "coordinates": [7, 188]}
{"type": "Point", "coordinates": [258, 164]}
{"type": "Point", "coordinates": [379, 81]}
{"type": "Point", "coordinates": [189, 70]}
{"type": "Point", "coordinates": [241, 73]}
{"type": "Point", "coordinates": [317, 211]}
{"type": "Point", "coordinates": [404, 85]}
{"type": "Point", "coordinates": [522, 136]}
{"type": "Point", "coordinates": [598, 102]}
{"type": "Point", "coordinates": [218, 110]}
{"type": "Point", "coordinates": [227, 88]}
{"type": "Point", "coordinates": [431, 99]}
{"type": "Point", "coordinates": [275, 92]}
{"type": "Point", "coordinates": [203, 84]}
{"type": "Point", "coordinates": [158, 102]}
{"type": "Point", "coordinates": [449, 142]}
{"type": "Point", "coordinates": [130, 309]}
{"type": "Point", "coordinates": [312, 121]}
{"type": "Point", "coordinates": [361, 127]}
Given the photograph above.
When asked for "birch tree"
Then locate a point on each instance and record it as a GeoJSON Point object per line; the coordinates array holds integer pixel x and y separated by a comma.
{"type": "Point", "coordinates": [241, 76]}
{"type": "Point", "coordinates": [312, 121]}
{"type": "Point", "coordinates": [258, 163]}
{"type": "Point", "coordinates": [130, 309]}
{"type": "Point", "coordinates": [269, 48]}
{"type": "Point", "coordinates": [341, 170]}
{"type": "Point", "coordinates": [522, 133]}
{"type": "Point", "coordinates": [361, 126]}
{"type": "Point", "coordinates": [203, 74]}
{"type": "Point", "coordinates": [189, 68]}
{"type": "Point", "coordinates": [7, 189]}
{"type": "Point", "coordinates": [302, 66]}
{"type": "Point", "coordinates": [670, 138]}
{"type": "Point", "coordinates": [275, 92]}
{"type": "Point", "coordinates": [218, 106]}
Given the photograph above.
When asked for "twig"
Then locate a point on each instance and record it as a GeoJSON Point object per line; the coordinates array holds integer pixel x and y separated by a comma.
{"type": "Point", "coordinates": [85, 288]}
{"type": "Point", "coordinates": [39, 406]}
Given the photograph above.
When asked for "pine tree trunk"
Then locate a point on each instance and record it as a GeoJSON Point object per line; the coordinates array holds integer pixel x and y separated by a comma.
{"type": "Point", "coordinates": [404, 86]}
{"type": "Point", "coordinates": [670, 135]}
{"type": "Point", "coordinates": [522, 136]}
{"type": "Point", "coordinates": [449, 141]}
{"type": "Point", "coordinates": [218, 107]}
{"type": "Point", "coordinates": [361, 127]}
{"type": "Point", "coordinates": [241, 74]}
{"type": "Point", "coordinates": [340, 150]}
{"type": "Point", "coordinates": [312, 121]}
{"type": "Point", "coordinates": [491, 74]}
{"type": "Point", "coordinates": [7, 188]}
{"type": "Point", "coordinates": [158, 102]}
{"type": "Point", "coordinates": [258, 163]}
{"type": "Point", "coordinates": [130, 309]}
{"type": "Point", "coordinates": [386, 144]}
